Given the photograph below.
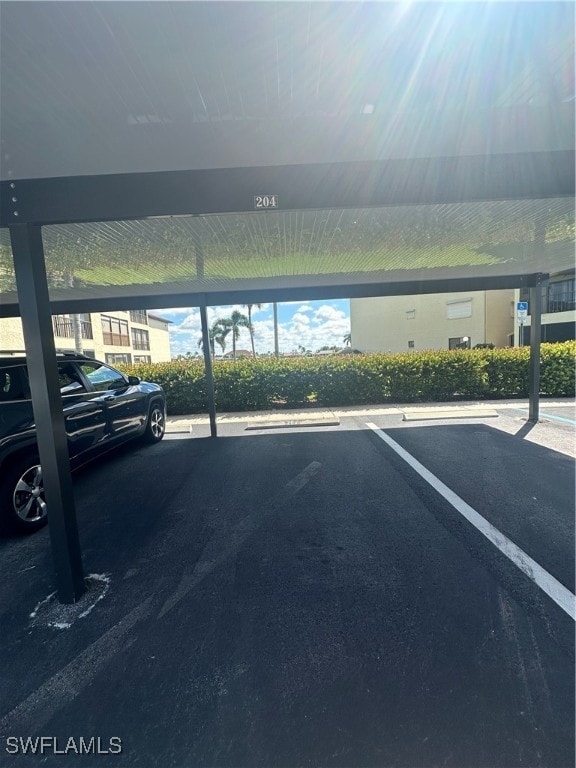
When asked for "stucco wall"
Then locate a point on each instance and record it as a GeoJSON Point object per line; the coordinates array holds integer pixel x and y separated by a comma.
{"type": "Point", "coordinates": [11, 336]}
{"type": "Point", "coordinates": [159, 340]}
{"type": "Point", "coordinates": [389, 324]}
{"type": "Point", "coordinates": [499, 317]}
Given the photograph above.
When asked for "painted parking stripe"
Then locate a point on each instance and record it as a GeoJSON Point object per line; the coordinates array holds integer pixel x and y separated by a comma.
{"type": "Point", "coordinates": [550, 416]}
{"type": "Point", "coordinates": [547, 583]}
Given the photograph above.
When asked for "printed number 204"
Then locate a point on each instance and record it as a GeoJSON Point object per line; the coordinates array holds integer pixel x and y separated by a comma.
{"type": "Point", "coordinates": [266, 201]}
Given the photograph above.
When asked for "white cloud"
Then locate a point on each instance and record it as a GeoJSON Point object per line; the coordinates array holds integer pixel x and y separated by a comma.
{"type": "Point", "coordinates": [327, 312]}
{"type": "Point", "coordinates": [325, 327]}
{"type": "Point", "coordinates": [256, 310]}
{"type": "Point", "coordinates": [175, 311]}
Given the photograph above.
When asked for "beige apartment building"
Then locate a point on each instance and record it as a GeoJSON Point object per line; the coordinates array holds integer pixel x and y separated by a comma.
{"type": "Point", "coordinates": [112, 337]}
{"type": "Point", "coordinates": [558, 310]}
{"type": "Point", "coordinates": [432, 321]}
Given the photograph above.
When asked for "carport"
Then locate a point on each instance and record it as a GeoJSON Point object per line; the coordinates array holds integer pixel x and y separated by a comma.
{"type": "Point", "coordinates": [176, 154]}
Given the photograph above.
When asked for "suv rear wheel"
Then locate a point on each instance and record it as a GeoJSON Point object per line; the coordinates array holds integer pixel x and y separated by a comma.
{"type": "Point", "coordinates": [22, 503]}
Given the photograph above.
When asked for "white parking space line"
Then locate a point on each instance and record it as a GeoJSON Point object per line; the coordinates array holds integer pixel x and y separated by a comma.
{"type": "Point", "coordinates": [63, 687]}
{"type": "Point", "coordinates": [547, 583]}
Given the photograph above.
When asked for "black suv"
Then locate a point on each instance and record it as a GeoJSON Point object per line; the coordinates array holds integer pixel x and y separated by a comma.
{"type": "Point", "coordinates": [102, 408]}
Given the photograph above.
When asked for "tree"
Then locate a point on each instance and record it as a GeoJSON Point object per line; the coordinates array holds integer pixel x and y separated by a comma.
{"type": "Point", "coordinates": [250, 327]}
{"type": "Point", "coordinates": [221, 331]}
{"type": "Point", "coordinates": [233, 324]}
{"type": "Point", "coordinates": [348, 339]}
{"type": "Point", "coordinates": [211, 339]}
{"type": "Point", "coordinates": [217, 334]}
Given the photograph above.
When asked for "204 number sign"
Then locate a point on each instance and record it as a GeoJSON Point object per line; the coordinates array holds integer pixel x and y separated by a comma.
{"type": "Point", "coordinates": [263, 202]}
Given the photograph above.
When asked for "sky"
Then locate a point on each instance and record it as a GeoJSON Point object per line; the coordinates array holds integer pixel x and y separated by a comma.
{"type": "Point", "coordinates": [311, 324]}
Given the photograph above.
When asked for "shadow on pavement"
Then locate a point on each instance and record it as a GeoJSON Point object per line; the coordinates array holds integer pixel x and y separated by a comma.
{"type": "Point", "coordinates": [300, 599]}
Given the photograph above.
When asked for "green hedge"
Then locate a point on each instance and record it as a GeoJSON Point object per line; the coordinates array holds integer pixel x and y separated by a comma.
{"type": "Point", "coordinates": [338, 380]}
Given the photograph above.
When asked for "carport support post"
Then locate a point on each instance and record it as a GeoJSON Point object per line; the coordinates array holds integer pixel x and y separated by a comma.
{"type": "Point", "coordinates": [535, 336]}
{"type": "Point", "coordinates": [30, 269]}
{"type": "Point", "coordinates": [208, 367]}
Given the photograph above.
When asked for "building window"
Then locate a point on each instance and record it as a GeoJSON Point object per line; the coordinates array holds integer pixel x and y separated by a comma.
{"type": "Point", "coordinates": [460, 342]}
{"type": "Point", "coordinates": [411, 345]}
{"type": "Point", "coordinates": [64, 328]}
{"type": "Point", "coordinates": [118, 357]}
{"type": "Point", "coordinates": [410, 314]}
{"type": "Point", "coordinates": [561, 296]}
{"type": "Point", "coordinates": [458, 308]}
{"type": "Point", "coordinates": [140, 339]}
{"type": "Point", "coordinates": [142, 359]}
{"type": "Point", "coordinates": [139, 316]}
{"type": "Point", "coordinates": [115, 331]}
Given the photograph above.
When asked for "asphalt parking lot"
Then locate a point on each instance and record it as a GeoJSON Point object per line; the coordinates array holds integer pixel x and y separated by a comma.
{"type": "Point", "coordinates": [304, 597]}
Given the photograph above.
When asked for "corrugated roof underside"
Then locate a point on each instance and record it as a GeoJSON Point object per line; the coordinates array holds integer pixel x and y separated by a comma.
{"type": "Point", "coordinates": [230, 252]}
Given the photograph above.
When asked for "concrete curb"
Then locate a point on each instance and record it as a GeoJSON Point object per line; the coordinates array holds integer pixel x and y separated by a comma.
{"type": "Point", "coordinates": [185, 423]}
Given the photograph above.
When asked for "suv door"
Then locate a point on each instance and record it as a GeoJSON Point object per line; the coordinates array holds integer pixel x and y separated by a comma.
{"type": "Point", "coordinates": [84, 415]}
{"type": "Point", "coordinates": [125, 405]}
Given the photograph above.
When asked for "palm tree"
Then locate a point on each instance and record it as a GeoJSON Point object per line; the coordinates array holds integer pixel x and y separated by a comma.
{"type": "Point", "coordinates": [217, 334]}
{"type": "Point", "coordinates": [233, 324]}
{"type": "Point", "coordinates": [347, 339]}
{"type": "Point", "coordinates": [212, 339]}
{"type": "Point", "coordinates": [250, 328]}
{"type": "Point", "coordinates": [221, 331]}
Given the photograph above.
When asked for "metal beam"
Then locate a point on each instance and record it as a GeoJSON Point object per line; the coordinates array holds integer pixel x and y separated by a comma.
{"type": "Point", "coordinates": [51, 435]}
{"type": "Point", "coordinates": [535, 340]}
{"type": "Point", "coordinates": [256, 295]}
{"type": "Point", "coordinates": [208, 368]}
{"type": "Point", "coordinates": [416, 181]}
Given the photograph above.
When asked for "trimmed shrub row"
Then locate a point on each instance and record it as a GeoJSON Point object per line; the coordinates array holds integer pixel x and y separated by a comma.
{"type": "Point", "coordinates": [339, 380]}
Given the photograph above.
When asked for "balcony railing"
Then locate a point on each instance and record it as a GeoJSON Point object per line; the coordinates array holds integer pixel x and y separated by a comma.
{"type": "Point", "coordinates": [141, 344]}
{"type": "Point", "coordinates": [139, 316]}
{"type": "Point", "coordinates": [555, 301]}
{"type": "Point", "coordinates": [116, 339]}
{"type": "Point", "coordinates": [562, 302]}
{"type": "Point", "coordinates": [64, 328]}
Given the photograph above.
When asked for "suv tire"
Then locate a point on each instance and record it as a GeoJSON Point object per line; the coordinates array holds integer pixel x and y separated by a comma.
{"type": "Point", "coordinates": [22, 502]}
{"type": "Point", "coordinates": [156, 424]}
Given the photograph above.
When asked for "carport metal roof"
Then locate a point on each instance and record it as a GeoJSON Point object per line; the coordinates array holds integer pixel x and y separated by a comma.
{"type": "Point", "coordinates": [404, 142]}
{"type": "Point", "coordinates": [402, 147]}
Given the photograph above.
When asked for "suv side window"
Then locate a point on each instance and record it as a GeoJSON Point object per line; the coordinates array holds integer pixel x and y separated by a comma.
{"type": "Point", "coordinates": [70, 383]}
{"type": "Point", "coordinates": [101, 377]}
{"type": "Point", "coordinates": [12, 384]}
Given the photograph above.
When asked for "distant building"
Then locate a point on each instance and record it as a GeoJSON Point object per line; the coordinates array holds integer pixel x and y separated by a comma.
{"type": "Point", "coordinates": [113, 337]}
{"type": "Point", "coordinates": [558, 310]}
{"type": "Point", "coordinates": [432, 321]}
{"type": "Point", "coordinates": [239, 353]}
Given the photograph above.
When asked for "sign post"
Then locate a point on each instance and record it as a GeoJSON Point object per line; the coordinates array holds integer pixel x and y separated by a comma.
{"type": "Point", "coordinates": [521, 315]}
